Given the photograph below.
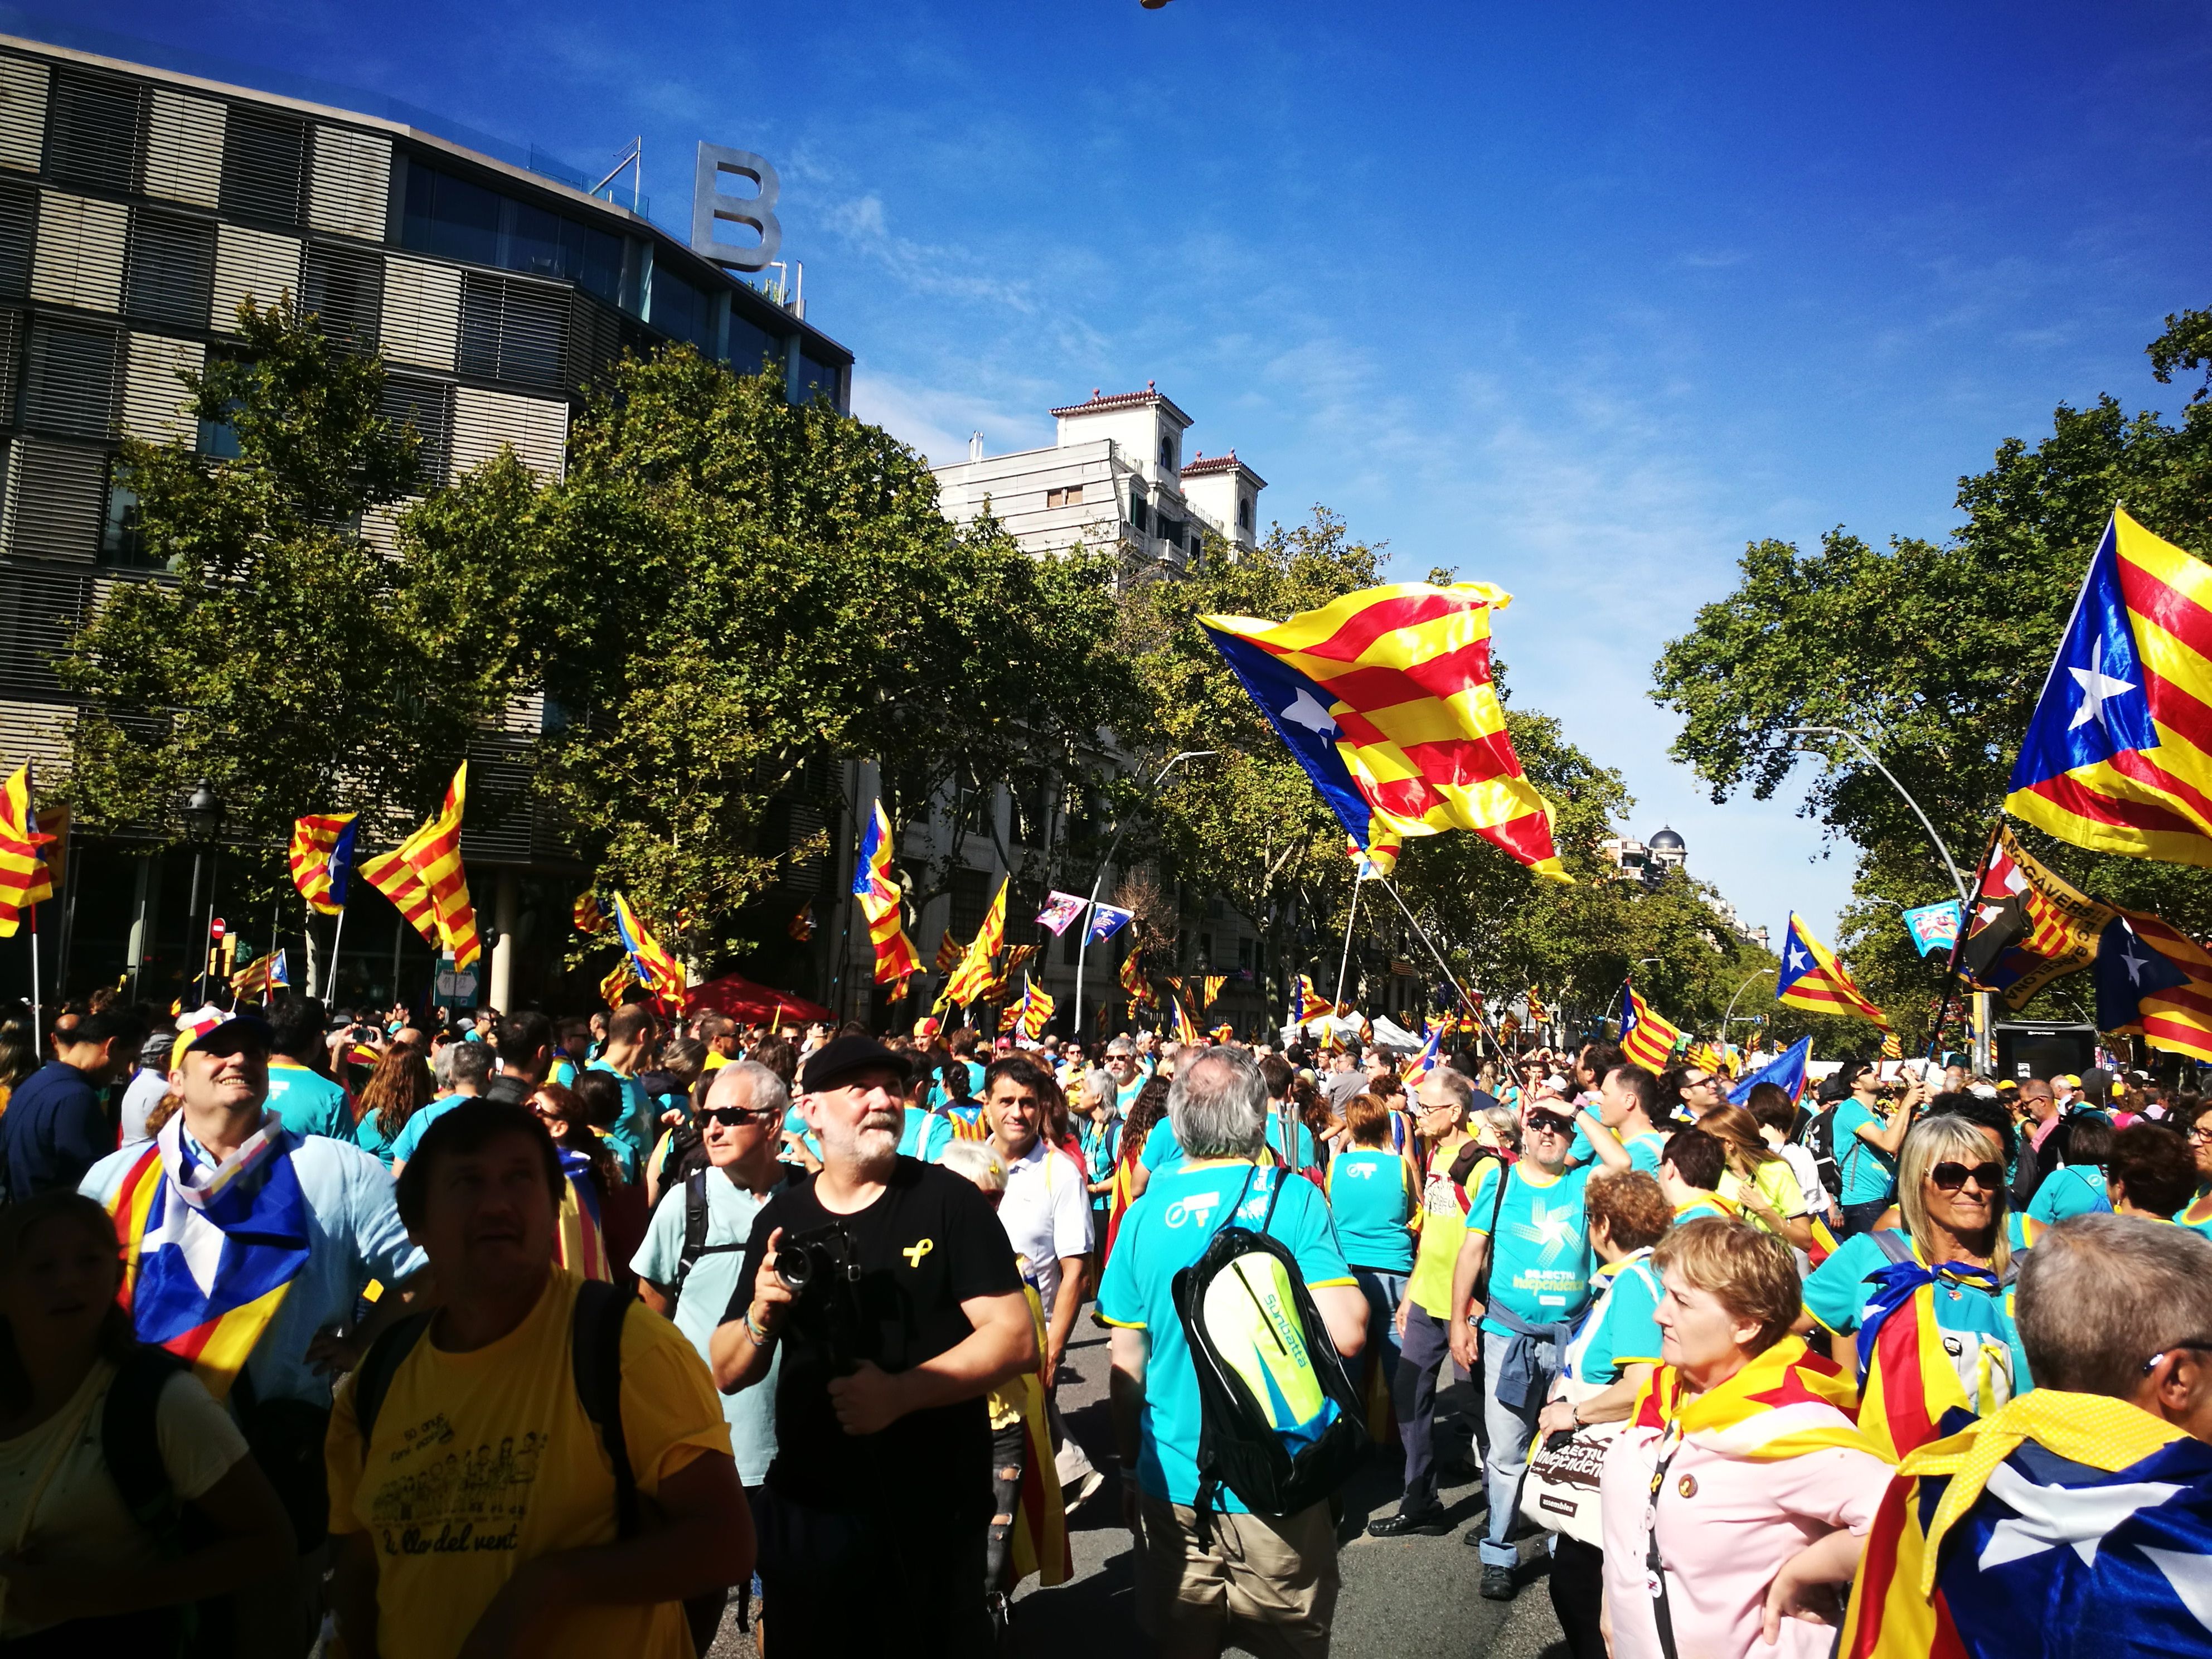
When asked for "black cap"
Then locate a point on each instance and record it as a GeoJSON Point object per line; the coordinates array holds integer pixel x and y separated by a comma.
{"type": "Point", "coordinates": [840, 1056]}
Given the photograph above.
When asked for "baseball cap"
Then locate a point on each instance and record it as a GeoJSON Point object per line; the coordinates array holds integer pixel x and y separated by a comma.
{"type": "Point", "coordinates": [2070, 1080]}
{"type": "Point", "coordinates": [224, 1034]}
{"type": "Point", "coordinates": [841, 1057]}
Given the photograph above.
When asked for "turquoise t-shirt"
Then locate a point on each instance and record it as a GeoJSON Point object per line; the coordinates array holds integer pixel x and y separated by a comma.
{"type": "Point", "coordinates": [1162, 1148]}
{"type": "Point", "coordinates": [410, 1133]}
{"type": "Point", "coordinates": [926, 1135]}
{"type": "Point", "coordinates": [308, 1103]}
{"type": "Point", "coordinates": [1622, 1326]}
{"type": "Point", "coordinates": [1164, 1231]}
{"type": "Point", "coordinates": [2077, 1189]}
{"type": "Point", "coordinates": [638, 1121]}
{"type": "Point", "coordinates": [751, 1412]}
{"type": "Point", "coordinates": [1371, 1197]}
{"type": "Point", "coordinates": [1646, 1151]}
{"type": "Point", "coordinates": [564, 1072]}
{"type": "Point", "coordinates": [1540, 1267]}
{"type": "Point", "coordinates": [941, 1096]}
{"type": "Point", "coordinates": [1836, 1293]}
{"type": "Point", "coordinates": [1869, 1173]}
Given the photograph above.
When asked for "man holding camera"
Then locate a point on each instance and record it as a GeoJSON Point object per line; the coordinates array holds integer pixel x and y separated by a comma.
{"type": "Point", "coordinates": [890, 1291]}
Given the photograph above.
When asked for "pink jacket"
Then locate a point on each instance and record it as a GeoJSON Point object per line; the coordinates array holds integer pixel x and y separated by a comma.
{"type": "Point", "coordinates": [1726, 1525]}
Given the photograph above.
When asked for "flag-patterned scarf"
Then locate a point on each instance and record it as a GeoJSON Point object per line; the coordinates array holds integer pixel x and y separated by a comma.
{"type": "Point", "coordinates": [2066, 1524]}
{"type": "Point", "coordinates": [1782, 1403]}
{"type": "Point", "coordinates": [578, 1242]}
{"type": "Point", "coordinates": [210, 1251]}
{"type": "Point", "coordinates": [1907, 1378]}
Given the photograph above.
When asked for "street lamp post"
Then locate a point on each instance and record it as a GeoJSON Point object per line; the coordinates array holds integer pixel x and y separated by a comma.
{"type": "Point", "coordinates": [203, 817]}
{"type": "Point", "coordinates": [1860, 743]}
{"type": "Point", "coordinates": [1739, 990]}
{"type": "Point", "coordinates": [1082, 946]}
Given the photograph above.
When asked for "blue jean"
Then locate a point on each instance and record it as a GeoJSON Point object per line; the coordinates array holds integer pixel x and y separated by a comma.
{"type": "Point", "coordinates": [1511, 1434]}
{"type": "Point", "coordinates": [1384, 1290]}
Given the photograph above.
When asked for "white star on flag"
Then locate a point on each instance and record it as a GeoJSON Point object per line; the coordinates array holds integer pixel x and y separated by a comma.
{"type": "Point", "coordinates": [2096, 686]}
{"type": "Point", "coordinates": [2048, 1516]}
{"type": "Point", "coordinates": [1308, 711]}
{"type": "Point", "coordinates": [1798, 959]}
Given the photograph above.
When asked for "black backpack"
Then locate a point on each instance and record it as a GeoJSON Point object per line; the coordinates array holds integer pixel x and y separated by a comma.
{"type": "Point", "coordinates": [1819, 1140]}
{"type": "Point", "coordinates": [695, 1236]}
{"type": "Point", "coordinates": [595, 1357]}
{"type": "Point", "coordinates": [1240, 1445]}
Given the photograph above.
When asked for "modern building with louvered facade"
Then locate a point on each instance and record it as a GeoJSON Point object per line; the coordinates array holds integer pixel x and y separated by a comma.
{"type": "Point", "coordinates": [138, 207]}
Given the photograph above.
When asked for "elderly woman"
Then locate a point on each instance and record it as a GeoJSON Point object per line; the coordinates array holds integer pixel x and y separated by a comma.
{"type": "Point", "coordinates": [1939, 1285]}
{"type": "Point", "coordinates": [1739, 1488]}
{"type": "Point", "coordinates": [1614, 1350]}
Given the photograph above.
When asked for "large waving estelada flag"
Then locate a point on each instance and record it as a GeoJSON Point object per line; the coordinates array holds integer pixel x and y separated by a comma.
{"type": "Point", "coordinates": [2065, 1523]}
{"type": "Point", "coordinates": [1312, 1005]}
{"type": "Point", "coordinates": [656, 970]}
{"type": "Point", "coordinates": [25, 871]}
{"type": "Point", "coordinates": [2117, 757]}
{"type": "Point", "coordinates": [1646, 1040]}
{"type": "Point", "coordinates": [877, 892]}
{"type": "Point", "coordinates": [1812, 979]}
{"type": "Point", "coordinates": [1385, 698]}
{"type": "Point", "coordinates": [975, 973]}
{"type": "Point", "coordinates": [321, 858]}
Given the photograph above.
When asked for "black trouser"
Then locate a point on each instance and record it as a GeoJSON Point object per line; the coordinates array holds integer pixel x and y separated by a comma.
{"type": "Point", "coordinates": [838, 1583]}
{"type": "Point", "coordinates": [1010, 1456]}
{"type": "Point", "coordinates": [1578, 1594]}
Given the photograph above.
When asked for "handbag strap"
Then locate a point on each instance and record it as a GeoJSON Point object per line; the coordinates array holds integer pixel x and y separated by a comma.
{"type": "Point", "coordinates": [1661, 1614]}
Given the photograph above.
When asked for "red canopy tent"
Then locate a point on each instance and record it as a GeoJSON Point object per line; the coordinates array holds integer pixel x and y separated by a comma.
{"type": "Point", "coordinates": [741, 998]}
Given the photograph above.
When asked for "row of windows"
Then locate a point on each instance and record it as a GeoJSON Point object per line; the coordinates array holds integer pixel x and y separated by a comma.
{"type": "Point", "coordinates": [450, 217]}
{"type": "Point", "coordinates": [98, 128]}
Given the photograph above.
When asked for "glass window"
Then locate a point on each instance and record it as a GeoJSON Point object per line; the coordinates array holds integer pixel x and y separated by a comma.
{"type": "Point", "coordinates": [450, 217]}
{"type": "Point", "coordinates": [1244, 513]}
{"type": "Point", "coordinates": [681, 311]}
{"type": "Point", "coordinates": [533, 243]}
{"type": "Point", "coordinates": [752, 348]}
{"type": "Point", "coordinates": [171, 275]}
{"type": "Point", "coordinates": [815, 377]}
{"type": "Point", "coordinates": [591, 258]}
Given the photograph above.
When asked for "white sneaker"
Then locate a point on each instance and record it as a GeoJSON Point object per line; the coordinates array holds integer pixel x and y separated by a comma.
{"type": "Point", "coordinates": [1089, 1483]}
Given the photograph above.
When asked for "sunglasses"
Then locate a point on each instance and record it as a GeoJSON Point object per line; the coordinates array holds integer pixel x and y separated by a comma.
{"type": "Point", "coordinates": [736, 1117]}
{"type": "Point", "coordinates": [1551, 1123]}
{"type": "Point", "coordinates": [2202, 1346]}
{"type": "Point", "coordinates": [1949, 1178]}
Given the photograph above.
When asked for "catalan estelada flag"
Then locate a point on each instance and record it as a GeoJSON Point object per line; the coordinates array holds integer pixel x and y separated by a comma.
{"type": "Point", "coordinates": [2152, 980]}
{"type": "Point", "coordinates": [1037, 1010]}
{"type": "Point", "coordinates": [1930, 1343]}
{"type": "Point", "coordinates": [262, 977]}
{"type": "Point", "coordinates": [1813, 979]}
{"type": "Point", "coordinates": [587, 913]}
{"type": "Point", "coordinates": [657, 971]}
{"type": "Point", "coordinates": [1386, 699]}
{"type": "Point", "coordinates": [1645, 1039]}
{"type": "Point", "coordinates": [321, 857]}
{"type": "Point", "coordinates": [2117, 757]}
{"type": "Point", "coordinates": [1787, 1401]}
{"type": "Point", "coordinates": [2065, 1524]}
{"type": "Point", "coordinates": [209, 1253]}
{"type": "Point", "coordinates": [578, 1239]}
{"type": "Point", "coordinates": [1312, 1005]}
{"type": "Point", "coordinates": [1377, 860]}
{"type": "Point", "coordinates": [877, 892]}
{"type": "Point", "coordinates": [26, 877]}
{"type": "Point", "coordinates": [973, 977]}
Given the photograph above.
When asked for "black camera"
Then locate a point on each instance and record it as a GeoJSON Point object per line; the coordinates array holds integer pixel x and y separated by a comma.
{"type": "Point", "coordinates": [821, 1255]}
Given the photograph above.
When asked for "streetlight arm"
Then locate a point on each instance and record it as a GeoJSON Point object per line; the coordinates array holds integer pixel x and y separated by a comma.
{"type": "Point", "coordinates": [1739, 990]}
{"type": "Point", "coordinates": [1874, 760]}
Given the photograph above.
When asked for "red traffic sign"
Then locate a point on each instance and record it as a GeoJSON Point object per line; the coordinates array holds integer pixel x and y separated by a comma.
{"type": "Point", "coordinates": [215, 928]}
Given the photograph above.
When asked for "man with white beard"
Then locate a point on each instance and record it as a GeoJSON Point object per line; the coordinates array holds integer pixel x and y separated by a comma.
{"type": "Point", "coordinates": [892, 1291]}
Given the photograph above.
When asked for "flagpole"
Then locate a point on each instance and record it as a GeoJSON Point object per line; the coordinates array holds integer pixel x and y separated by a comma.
{"type": "Point", "coordinates": [337, 934]}
{"type": "Point", "coordinates": [1344, 961]}
{"type": "Point", "coordinates": [37, 1024]}
{"type": "Point", "coordinates": [1958, 943]}
{"type": "Point", "coordinates": [1481, 1024]}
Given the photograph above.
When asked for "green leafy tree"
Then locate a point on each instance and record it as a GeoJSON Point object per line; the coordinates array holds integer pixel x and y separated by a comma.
{"type": "Point", "coordinates": [724, 590]}
{"type": "Point", "coordinates": [1934, 652]}
{"type": "Point", "coordinates": [278, 660]}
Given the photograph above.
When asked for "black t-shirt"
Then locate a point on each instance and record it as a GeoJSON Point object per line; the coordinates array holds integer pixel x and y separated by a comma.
{"type": "Point", "coordinates": [929, 1244]}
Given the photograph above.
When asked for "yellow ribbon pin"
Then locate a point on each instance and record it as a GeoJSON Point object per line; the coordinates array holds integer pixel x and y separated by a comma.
{"type": "Point", "coordinates": [913, 1253]}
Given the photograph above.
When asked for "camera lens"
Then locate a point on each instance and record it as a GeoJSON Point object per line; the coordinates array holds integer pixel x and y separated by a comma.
{"type": "Point", "coordinates": [795, 1268]}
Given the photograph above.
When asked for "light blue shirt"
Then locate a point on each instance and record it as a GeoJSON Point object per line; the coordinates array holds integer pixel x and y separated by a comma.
{"type": "Point", "coordinates": [410, 1133]}
{"type": "Point", "coordinates": [1622, 1326]}
{"type": "Point", "coordinates": [1540, 1256]}
{"type": "Point", "coordinates": [1161, 1147]}
{"type": "Point", "coordinates": [633, 1129]}
{"type": "Point", "coordinates": [925, 1136]}
{"type": "Point", "coordinates": [1164, 1231]}
{"type": "Point", "coordinates": [1869, 1173]}
{"type": "Point", "coordinates": [306, 1101]}
{"type": "Point", "coordinates": [1837, 1294]}
{"type": "Point", "coordinates": [2076, 1190]}
{"type": "Point", "coordinates": [751, 1412]}
{"type": "Point", "coordinates": [354, 1236]}
{"type": "Point", "coordinates": [1371, 1197]}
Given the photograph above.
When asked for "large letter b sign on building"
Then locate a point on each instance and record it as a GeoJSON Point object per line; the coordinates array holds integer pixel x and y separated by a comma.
{"type": "Point", "coordinates": [711, 203]}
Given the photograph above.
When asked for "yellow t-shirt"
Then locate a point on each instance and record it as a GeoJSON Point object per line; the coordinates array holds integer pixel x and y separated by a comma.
{"type": "Point", "coordinates": [1777, 1185]}
{"type": "Point", "coordinates": [485, 1460]}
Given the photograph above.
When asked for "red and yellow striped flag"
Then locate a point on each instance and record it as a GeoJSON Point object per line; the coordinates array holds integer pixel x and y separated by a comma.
{"type": "Point", "coordinates": [620, 978]}
{"type": "Point", "coordinates": [1134, 982]}
{"type": "Point", "coordinates": [1646, 1040]}
{"type": "Point", "coordinates": [949, 953]}
{"type": "Point", "coordinates": [26, 876]}
{"type": "Point", "coordinates": [1385, 696]}
{"type": "Point", "coordinates": [1037, 1010]}
{"type": "Point", "coordinates": [423, 877]}
{"type": "Point", "coordinates": [1812, 979]}
{"type": "Point", "coordinates": [656, 970]}
{"type": "Point", "coordinates": [587, 913]}
{"type": "Point", "coordinates": [973, 977]}
{"type": "Point", "coordinates": [321, 849]}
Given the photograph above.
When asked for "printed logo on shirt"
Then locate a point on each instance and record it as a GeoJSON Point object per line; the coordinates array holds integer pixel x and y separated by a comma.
{"type": "Point", "coordinates": [1361, 1171]}
{"type": "Point", "coordinates": [461, 1503]}
{"type": "Point", "coordinates": [915, 1252]}
{"type": "Point", "coordinates": [1198, 1207]}
{"type": "Point", "coordinates": [1554, 1229]}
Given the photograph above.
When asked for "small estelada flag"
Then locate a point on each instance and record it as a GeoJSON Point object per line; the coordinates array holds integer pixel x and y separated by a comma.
{"type": "Point", "coordinates": [801, 926]}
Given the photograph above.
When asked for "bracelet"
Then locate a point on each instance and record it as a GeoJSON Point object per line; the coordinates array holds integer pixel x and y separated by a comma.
{"type": "Point", "coordinates": [759, 1336]}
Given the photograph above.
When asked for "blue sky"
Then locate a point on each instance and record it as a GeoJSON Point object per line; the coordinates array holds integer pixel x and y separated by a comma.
{"type": "Point", "coordinates": [1578, 299]}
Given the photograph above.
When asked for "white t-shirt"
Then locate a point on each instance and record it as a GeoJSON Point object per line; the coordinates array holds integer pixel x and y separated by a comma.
{"type": "Point", "coordinates": [1800, 1160]}
{"type": "Point", "coordinates": [1046, 1214]}
{"type": "Point", "coordinates": [80, 1515]}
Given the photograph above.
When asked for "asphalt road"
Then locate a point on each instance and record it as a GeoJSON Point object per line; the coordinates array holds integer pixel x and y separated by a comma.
{"type": "Point", "coordinates": [1413, 1598]}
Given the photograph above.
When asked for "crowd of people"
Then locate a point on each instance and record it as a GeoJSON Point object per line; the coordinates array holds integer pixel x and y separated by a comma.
{"type": "Point", "coordinates": [324, 1326]}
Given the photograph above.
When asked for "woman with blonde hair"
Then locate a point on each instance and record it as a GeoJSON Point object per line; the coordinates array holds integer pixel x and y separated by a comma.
{"type": "Point", "coordinates": [1735, 1502]}
{"type": "Point", "coordinates": [1942, 1285]}
{"type": "Point", "coordinates": [1757, 1181]}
